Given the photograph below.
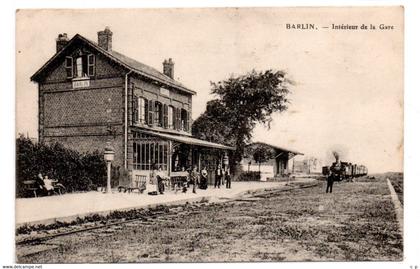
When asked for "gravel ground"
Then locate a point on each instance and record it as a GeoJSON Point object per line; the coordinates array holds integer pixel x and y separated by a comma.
{"type": "Point", "coordinates": [355, 223]}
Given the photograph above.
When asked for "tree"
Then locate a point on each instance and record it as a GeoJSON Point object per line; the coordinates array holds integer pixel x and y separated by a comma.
{"type": "Point", "coordinates": [260, 153]}
{"type": "Point", "coordinates": [211, 125]}
{"type": "Point", "coordinates": [242, 102]}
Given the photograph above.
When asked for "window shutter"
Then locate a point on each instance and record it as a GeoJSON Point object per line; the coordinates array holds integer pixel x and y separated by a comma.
{"type": "Point", "coordinates": [69, 66]}
{"type": "Point", "coordinates": [135, 110]}
{"type": "Point", "coordinates": [151, 112]}
{"type": "Point", "coordinates": [91, 65]}
{"type": "Point", "coordinates": [165, 116]}
{"type": "Point", "coordinates": [146, 111]}
{"type": "Point", "coordinates": [179, 119]}
{"type": "Point", "coordinates": [156, 114]}
{"type": "Point", "coordinates": [187, 124]}
{"type": "Point", "coordinates": [175, 118]}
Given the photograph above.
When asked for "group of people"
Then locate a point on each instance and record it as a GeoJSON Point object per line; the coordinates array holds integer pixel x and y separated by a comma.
{"type": "Point", "coordinates": [222, 175]}
{"type": "Point", "coordinates": [194, 178]}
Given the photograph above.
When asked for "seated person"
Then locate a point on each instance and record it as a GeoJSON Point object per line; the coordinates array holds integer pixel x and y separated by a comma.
{"type": "Point", "coordinates": [48, 184]}
{"type": "Point", "coordinates": [40, 181]}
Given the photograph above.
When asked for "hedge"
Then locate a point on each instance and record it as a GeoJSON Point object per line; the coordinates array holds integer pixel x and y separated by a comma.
{"type": "Point", "coordinates": [250, 176]}
{"type": "Point", "coordinates": [76, 171]}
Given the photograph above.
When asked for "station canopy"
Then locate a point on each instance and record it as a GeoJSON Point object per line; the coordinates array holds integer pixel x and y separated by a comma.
{"type": "Point", "coordinates": [189, 140]}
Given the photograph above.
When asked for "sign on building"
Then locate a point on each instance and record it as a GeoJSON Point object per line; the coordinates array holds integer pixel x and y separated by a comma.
{"type": "Point", "coordinates": [81, 83]}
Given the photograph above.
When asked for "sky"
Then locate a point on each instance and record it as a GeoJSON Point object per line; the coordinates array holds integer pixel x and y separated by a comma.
{"type": "Point", "coordinates": [349, 84]}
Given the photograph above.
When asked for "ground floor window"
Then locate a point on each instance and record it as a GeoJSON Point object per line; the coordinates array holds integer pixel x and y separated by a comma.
{"type": "Point", "coordinates": [146, 154]}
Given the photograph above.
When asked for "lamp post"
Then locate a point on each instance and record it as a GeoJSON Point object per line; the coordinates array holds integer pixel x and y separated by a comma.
{"type": "Point", "coordinates": [109, 157]}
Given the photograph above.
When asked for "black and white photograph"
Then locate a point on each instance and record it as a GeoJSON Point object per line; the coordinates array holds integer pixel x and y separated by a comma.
{"type": "Point", "coordinates": [196, 135]}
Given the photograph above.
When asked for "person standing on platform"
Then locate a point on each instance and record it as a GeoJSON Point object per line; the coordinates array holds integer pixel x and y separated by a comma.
{"type": "Point", "coordinates": [194, 178]}
{"type": "Point", "coordinates": [153, 179]}
{"type": "Point", "coordinates": [228, 178]}
{"type": "Point", "coordinates": [204, 180]}
{"type": "Point", "coordinates": [334, 174]}
{"type": "Point", "coordinates": [219, 175]}
{"type": "Point", "coordinates": [160, 175]}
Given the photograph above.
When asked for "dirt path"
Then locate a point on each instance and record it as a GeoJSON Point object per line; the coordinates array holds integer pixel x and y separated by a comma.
{"type": "Point", "coordinates": [356, 222]}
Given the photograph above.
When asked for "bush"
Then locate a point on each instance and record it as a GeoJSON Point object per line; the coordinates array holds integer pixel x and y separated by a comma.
{"type": "Point", "coordinates": [250, 176]}
{"type": "Point", "coordinates": [76, 171]}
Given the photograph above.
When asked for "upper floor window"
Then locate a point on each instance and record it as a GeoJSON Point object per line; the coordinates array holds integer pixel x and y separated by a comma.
{"type": "Point", "coordinates": [184, 120]}
{"type": "Point", "coordinates": [142, 109]}
{"type": "Point", "coordinates": [140, 106]}
{"type": "Point", "coordinates": [80, 71]}
{"type": "Point", "coordinates": [171, 123]}
{"type": "Point", "coordinates": [155, 113]}
{"type": "Point", "coordinates": [158, 114]}
{"type": "Point", "coordinates": [80, 66]}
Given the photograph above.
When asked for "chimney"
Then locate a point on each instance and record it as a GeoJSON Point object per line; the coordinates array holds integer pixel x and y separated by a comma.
{"type": "Point", "coordinates": [61, 41]}
{"type": "Point", "coordinates": [105, 39]}
{"type": "Point", "coordinates": [168, 68]}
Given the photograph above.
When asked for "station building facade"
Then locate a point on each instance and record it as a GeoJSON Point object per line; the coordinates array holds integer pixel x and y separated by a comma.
{"type": "Point", "coordinates": [90, 95]}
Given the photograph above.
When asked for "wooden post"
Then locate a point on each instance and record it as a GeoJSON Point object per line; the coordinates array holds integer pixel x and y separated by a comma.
{"type": "Point", "coordinates": [191, 156]}
{"type": "Point", "coordinates": [169, 158]}
{"type": "Point", "coordinates": [199, 159]}
{"type": "Point", "coordinates": [108, 181]}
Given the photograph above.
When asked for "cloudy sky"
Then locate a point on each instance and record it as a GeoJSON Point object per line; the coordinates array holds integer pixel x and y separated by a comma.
{"type": "Point", "coordinates": [349, 84]}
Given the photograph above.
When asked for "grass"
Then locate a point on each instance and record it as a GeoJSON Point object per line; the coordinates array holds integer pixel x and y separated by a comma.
{"type": "Point", "coordinates": [354, 223]}
{"type": "Point", "coordinates": [397, 181]}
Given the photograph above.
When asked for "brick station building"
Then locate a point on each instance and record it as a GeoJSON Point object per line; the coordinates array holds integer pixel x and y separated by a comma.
{"type": "Point", "coordinates": [89, 95]}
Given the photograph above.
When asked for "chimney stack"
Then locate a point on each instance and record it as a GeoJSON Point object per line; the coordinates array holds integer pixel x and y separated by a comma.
{"type": "Point", "coordinates": [105, 39]}
{"type": "Point", "coordinates": [168, 68]}
{"type": "Point", "coordinates": [61, 41]}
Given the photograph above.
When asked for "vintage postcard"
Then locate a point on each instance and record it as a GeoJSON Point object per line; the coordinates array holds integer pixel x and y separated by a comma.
{"type": "Point", "coordinates": [209, 135]}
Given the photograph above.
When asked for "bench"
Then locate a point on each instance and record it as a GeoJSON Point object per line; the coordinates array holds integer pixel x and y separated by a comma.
{"type": "Point", "coordinates": [31, 186]}
{"type": "Point", "coordinates": [139, 183]}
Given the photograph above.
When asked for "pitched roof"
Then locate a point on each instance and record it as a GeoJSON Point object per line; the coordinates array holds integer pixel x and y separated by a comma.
{"type": "Point", "coordinates": [279, 148]}
{"type": "Point", "coordinates": [129, 63]}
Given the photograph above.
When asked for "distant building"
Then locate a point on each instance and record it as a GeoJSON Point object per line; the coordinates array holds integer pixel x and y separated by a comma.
{"type": "Point", "coordinates": [309, 165]}
{"type": "Point", "coordinates": [277, 166]}
{"type": "Point", "coordinates": [90, 94]}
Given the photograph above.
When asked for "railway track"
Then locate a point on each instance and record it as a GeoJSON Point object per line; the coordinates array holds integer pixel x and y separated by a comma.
{"type": "Point", "coordinates": [25, 245]}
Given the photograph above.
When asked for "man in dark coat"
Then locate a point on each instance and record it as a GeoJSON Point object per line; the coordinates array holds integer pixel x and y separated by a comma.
{"type": "Point", "coordinates": [333, 175]}
{"type": "Point", "coordinates": [219, 175]}
{"type": "Point", "coordinates": [228, 179]}
{"type": "Point", "coordinates": [330, 182]}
